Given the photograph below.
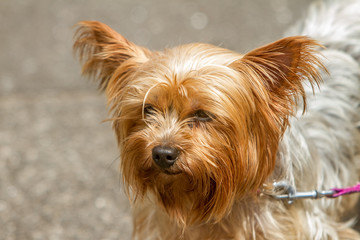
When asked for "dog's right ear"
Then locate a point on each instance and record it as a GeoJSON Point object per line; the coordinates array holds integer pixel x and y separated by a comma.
{"type": "Point", "coordinates": [102, 51]}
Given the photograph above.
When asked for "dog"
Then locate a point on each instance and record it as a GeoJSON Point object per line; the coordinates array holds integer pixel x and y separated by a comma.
{"type": "Point", "coordinates": [205, 133]}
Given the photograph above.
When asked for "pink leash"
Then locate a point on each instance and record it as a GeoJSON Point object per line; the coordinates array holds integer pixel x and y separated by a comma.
{"type": "Point", "coordinates": [343, 191]}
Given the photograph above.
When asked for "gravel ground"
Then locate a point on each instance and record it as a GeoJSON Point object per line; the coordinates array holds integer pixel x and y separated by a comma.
{"type": "Point", "coordinates": [58, 161]}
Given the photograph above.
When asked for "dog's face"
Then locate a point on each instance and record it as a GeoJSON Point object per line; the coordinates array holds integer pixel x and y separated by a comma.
{"type": "Point", "coordinates": [198, 126]}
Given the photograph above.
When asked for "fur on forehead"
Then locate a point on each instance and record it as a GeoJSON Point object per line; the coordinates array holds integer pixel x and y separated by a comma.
{"type": "Point", "coordinates": [185, 59]}
{"type": "Point", "coordinates": [198, 73]}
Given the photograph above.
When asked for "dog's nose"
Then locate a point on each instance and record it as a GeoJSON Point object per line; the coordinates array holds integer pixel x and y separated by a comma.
{"type": "Point", "coordinates": [165, 156]}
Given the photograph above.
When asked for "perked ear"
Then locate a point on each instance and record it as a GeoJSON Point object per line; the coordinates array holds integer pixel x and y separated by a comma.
{"type": "Point", "coordinates": [275, 74]}
{"type": "Point", "coordinates": [281, 67]}
{"type": "Point", "coordinates": [102, 50]}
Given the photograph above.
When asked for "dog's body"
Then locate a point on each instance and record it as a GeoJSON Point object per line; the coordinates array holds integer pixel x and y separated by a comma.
{"type": "Point", "coordinates": [204, 132]}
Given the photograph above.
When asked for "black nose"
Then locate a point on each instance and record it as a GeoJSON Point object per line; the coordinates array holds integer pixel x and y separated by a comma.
{"type": "Point", "coordinates": [164, 156]}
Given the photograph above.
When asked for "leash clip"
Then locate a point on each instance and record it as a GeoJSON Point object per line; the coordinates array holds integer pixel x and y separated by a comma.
{"type": "Point", "coordinates": [290, 193]}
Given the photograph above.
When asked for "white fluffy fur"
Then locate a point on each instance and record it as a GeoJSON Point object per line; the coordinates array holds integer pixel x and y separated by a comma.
{"type": "Point", "coordinates": [321, 148]}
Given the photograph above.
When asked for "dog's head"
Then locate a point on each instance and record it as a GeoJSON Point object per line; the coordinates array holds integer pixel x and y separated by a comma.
{"type": "Point", "coordinates": [198, 126]}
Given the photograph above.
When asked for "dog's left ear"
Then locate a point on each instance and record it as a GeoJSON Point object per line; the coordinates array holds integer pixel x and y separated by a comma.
{"type": "Point", "coordinates": [278, 69]}
{"type": "Point", "coordinates": [275, 74]}
{"type": "Point", "coordinates": [102, 51]}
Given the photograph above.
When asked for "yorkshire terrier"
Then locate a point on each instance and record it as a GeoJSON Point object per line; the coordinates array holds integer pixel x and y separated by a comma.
{"type": "Point", "coordinates": [205, 132]}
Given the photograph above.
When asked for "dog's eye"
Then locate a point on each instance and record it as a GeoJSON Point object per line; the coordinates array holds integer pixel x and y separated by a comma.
{"type": "Point", "coordinates": [148, 110]}
{"type": "Point", "coordinates": [202, 116]}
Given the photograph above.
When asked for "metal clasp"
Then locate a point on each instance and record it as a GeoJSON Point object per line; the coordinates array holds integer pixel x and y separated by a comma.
{"type": "Point", "coordinates": [290, 193]}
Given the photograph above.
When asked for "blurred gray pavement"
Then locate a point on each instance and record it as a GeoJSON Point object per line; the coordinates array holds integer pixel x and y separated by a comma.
{"type": "Point", "coordinates": [59, 174]}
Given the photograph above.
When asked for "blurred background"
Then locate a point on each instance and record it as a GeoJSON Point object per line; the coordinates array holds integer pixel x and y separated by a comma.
{"type": "Point", "coordinates": [59, 174]}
